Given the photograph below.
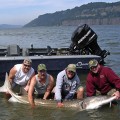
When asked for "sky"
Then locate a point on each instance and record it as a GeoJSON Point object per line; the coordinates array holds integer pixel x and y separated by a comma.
{"type": "Point", "coordinates": [21, 12]}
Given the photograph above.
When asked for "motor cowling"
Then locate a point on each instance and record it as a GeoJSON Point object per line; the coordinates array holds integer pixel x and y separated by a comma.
{"type": "Point", "coordinates": [84, 41]}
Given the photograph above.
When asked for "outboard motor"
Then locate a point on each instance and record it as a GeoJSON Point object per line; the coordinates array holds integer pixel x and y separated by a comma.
{"type": "Point", "coordinates": [84, 40]}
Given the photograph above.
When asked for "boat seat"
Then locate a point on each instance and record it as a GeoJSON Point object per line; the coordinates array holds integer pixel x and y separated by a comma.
{"type": "Point", "coordinates": [13, 50]}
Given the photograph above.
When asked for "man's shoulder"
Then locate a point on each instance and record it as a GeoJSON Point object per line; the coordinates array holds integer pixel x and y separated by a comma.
{"type": "Point", "coordinates": [105, 68]}
{"type": "Point", "coordinates": [17, 66]}
{"type": "Point", "coordinates": [49, 75]}
{"type": "Point", "coordinates": [62, 72]}
{"type": "Point", "coordinates": [32, 69]}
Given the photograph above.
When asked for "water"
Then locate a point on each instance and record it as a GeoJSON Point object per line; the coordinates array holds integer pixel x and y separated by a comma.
{"type": "Point", "coordinates": [39, 36]}
{"type": "Point", "coordinates": [60, 36]}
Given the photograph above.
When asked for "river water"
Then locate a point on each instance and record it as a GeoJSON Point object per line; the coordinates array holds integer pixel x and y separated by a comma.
{"type": "Point", "coordinates": [60, 36]}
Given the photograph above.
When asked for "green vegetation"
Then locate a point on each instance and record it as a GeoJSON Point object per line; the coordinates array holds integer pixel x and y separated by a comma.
{"type": "Point", "coordinates": [91, 13]}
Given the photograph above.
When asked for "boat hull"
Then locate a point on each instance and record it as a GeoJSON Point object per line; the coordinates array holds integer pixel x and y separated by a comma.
{"type": "Point", "coordinates": [53, 63]}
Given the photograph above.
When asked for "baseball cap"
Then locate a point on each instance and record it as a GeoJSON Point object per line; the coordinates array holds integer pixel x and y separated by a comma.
{"type": "Point", "coordinates": [41, 67]}
{"type": "Point", "coordinates": [71, 67]}
{"type": "Point", "coordinates": [27, 61]}
{"type": "Point", "coordinates": [93, 63]}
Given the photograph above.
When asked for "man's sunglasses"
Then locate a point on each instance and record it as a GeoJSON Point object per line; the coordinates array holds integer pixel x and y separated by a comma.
{"type": "Point", "coordinates": [93, 67]}
{"type": "Point", "coordinates": [27, 65]}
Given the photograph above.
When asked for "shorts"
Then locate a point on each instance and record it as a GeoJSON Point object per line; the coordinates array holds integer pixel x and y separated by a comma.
{"type": "Point", "coordinates": [109, 93]}
{"type": "Point", "coordinates": [18, 89]}
{"type": "Point", "coordinates": [80, 87]}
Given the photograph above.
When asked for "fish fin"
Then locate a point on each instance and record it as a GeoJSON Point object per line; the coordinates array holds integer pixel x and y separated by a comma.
{"type": "Point", "coordinates": [4, 87]}
{"type": "Point", "coordinates": [110, 104]}
{"type": "Point", "coordinates": [13, 99]}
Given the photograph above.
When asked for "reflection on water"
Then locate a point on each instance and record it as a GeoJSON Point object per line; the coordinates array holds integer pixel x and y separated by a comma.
{"type": "Point", "coordinates": [105, 113]}
{"type": "Point", "coordinates": [14, 111]}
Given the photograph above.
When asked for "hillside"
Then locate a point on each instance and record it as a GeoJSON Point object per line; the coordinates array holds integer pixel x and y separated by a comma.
{"type": "Point", "coordinates": [97, 13]}
{"type": "Point", "coordinates": [6, 26]}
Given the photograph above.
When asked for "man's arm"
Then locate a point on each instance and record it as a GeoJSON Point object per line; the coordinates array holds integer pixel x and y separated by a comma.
{"type": "Point", "coordinates": [30, 92]}
{"type": "Point", "coordinates": [31, 78]}
{"type": "Point", "coordinates": [90, 88]}
{"type": "Point", "coordinates": [49, 88]}
{"type": "Point", "coordinates": [28, 83]}
{"type": "Point", "coordinates": [114, 80]}
{"type": "Point", "coordinates": [12, 74]}
{"type": "Point", "coordinates": [58, 88]}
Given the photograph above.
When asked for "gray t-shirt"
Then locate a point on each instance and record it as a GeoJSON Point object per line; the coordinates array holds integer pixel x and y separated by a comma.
{"type": "Point", "coordinates": [41, 88]}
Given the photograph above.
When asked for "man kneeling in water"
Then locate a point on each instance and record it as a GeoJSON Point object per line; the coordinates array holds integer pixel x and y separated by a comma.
{"type": "Point", "coordinates": [20, 75]}
{"type": "Point", "coordinates": [68, 85]}
{"type": "Point", "coordinates": [42, 83]}
{"type": "Point", "coordinates": [103, 80]}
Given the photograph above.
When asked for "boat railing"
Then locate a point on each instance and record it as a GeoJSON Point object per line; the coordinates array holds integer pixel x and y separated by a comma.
{"type": "Point", "coordinates": [15, 50]}
{"type": "Point", "coordinates": [3, 52]}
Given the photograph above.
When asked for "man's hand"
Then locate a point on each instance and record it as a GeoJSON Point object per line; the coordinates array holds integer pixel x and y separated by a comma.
{"type": "Point", "coordinates": [59, 104]}
{"type": "Point", "coordinates": [117, 94]}
{"type": "Point", "coordinates": [26, 88]}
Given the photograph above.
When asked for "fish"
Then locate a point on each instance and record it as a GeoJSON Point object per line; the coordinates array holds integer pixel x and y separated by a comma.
{"type": "Point", "coordinates": [87, 103]}
{"type": "Point", "coordinates": [3, 89]}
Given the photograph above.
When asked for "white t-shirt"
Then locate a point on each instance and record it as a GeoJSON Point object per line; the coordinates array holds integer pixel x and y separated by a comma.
{"type": "Point", "coordinates": [22, 78]}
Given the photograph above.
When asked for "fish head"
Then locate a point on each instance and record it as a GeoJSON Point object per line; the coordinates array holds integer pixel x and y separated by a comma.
{"type": "Point", "coordinates": [97, 101]}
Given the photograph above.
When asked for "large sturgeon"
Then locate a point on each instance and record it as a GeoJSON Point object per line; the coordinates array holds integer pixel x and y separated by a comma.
{"type": "Point", "coordinates": [85, 104]}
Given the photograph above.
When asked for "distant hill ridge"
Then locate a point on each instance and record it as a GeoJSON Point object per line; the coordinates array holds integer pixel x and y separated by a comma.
{"type": "Point", "coordinates": [6, 26]}
{"type": "Point", "coordinates": [97, 13]}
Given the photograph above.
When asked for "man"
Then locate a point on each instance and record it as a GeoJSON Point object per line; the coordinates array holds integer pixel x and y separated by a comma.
{"type": "Point", "coordinates": [42, 83]}
{"type": "Point", "coordinates": [21, 74]}
{"type": "Point", "coordinates": [67, 85]}
{"type": "Point", "coordinates": [102, 79]}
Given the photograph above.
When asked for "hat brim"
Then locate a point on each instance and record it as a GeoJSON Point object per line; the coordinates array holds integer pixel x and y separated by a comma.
{"type": "Point", "coordinates": [71, 70]}
{"type": "Point", "coordinates": [93, 66]}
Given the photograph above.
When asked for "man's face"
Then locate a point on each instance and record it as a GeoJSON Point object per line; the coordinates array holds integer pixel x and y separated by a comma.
{"type": "Point", "coordinates": [26, 67]}
{"type": "Point", "coordinates": [94, 69]}
{"type": "Point", "coordinates": [42, 74]}
{"type": "Point", "coordinates": [70, 74]}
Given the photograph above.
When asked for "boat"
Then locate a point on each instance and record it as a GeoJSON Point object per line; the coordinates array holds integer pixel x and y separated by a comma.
{"type": "Point", "coordinates": [83, 47]}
